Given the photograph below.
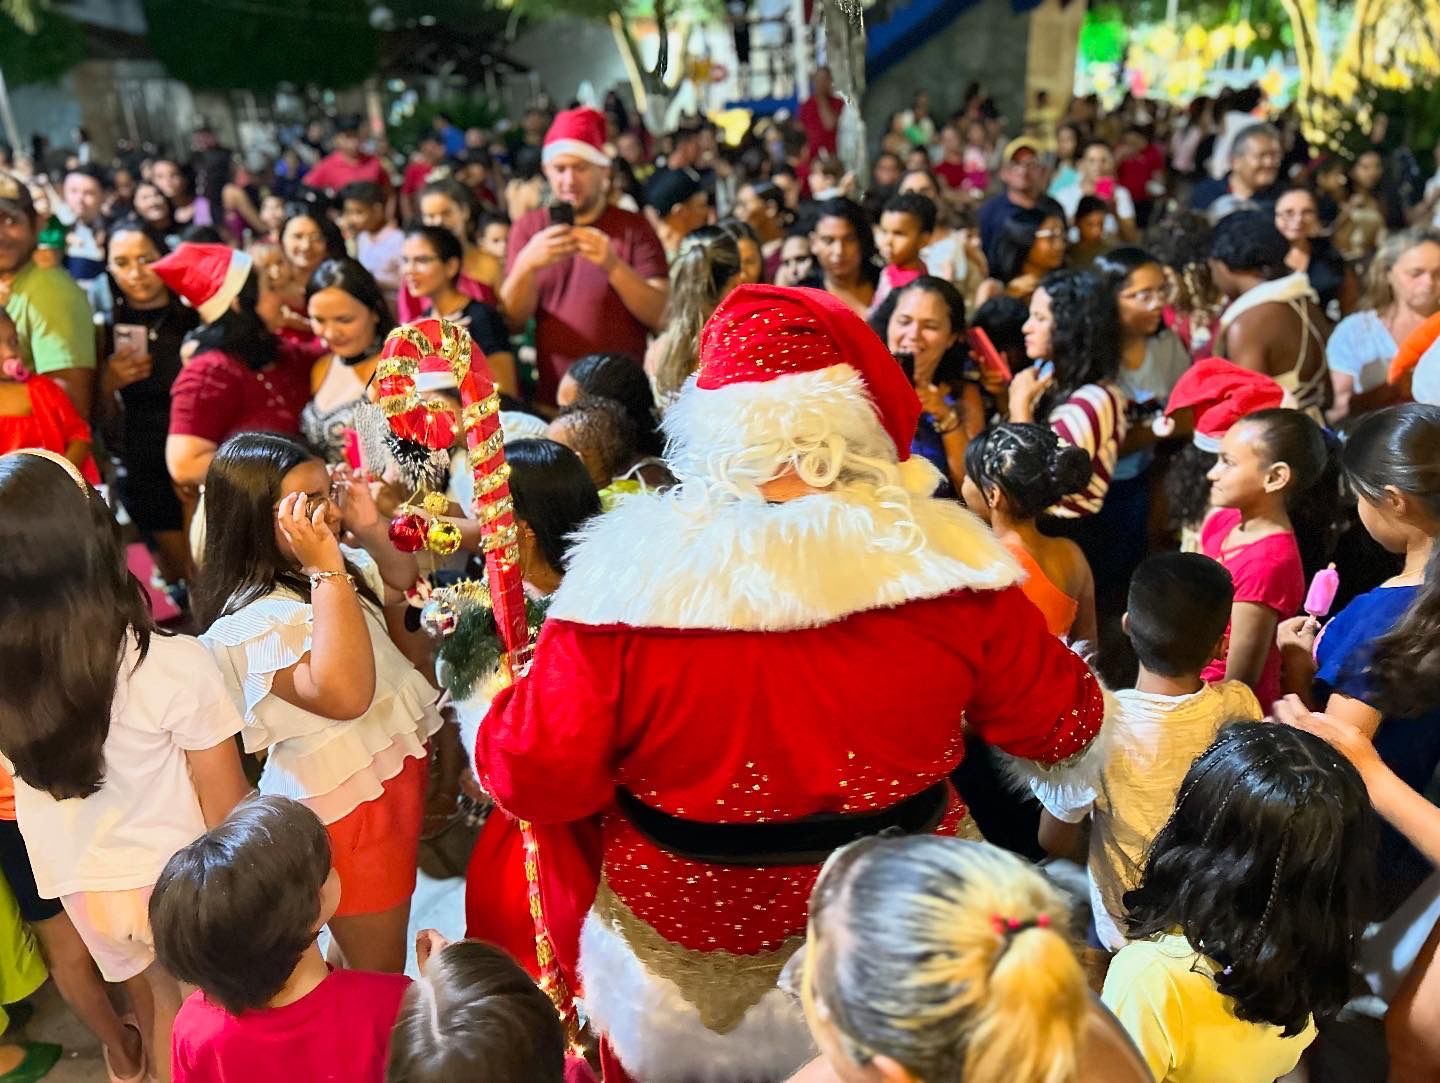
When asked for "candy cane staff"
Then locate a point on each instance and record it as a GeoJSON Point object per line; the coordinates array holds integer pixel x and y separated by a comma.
{"type": "Point", "coordinates": [772, 659]}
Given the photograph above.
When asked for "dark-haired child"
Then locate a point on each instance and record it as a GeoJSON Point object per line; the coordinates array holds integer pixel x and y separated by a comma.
{"type": "Point", "coordinates": [1178, 607]}
{"type": "Point", "coordinates": [907, 223]}
{"type": "Point", "coordinates": [1090, 215]}
{"type": "Point", "coordinates": [1264, 461]}
{"type": "Point", "coordinates": [295, 621]}
{"type": "Point", "coordinates": [1374, 665]}
{"type": "Point", "coordinates": [1013, 472]}
{"type": "Point", "coordinates": [377, 242]}
{"type": "Point", "coordinates": [475, 1014]}
{"type": "Point", "coordinates": [494, 234]}
{"type": "Point", "coordinates": [236, 914]}
{"type": "Point", "coordinates": [1249, 913]}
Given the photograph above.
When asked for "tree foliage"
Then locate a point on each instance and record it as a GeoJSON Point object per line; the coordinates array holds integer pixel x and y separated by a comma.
{"type": "Point", "coordinates": [259, 44]}
{"type": "Point", "coordinates": [52, 46]}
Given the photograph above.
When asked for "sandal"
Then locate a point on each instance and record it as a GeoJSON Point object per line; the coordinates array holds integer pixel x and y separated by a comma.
{"type": "Point", "coordinates": [40, 1057]}
{"type": "Point", "coordinates": [140, 1076]}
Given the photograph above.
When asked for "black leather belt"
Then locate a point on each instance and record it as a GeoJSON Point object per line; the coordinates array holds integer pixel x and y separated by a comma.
{"type": "Point", "coordinates": [807, 841]}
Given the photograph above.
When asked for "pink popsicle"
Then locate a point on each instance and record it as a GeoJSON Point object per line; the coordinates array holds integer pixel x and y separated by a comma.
{"type": "Point", "coordinates": [1321, 595]}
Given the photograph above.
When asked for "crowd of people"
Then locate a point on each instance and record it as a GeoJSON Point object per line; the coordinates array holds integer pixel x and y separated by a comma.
{"type": "Point", "coordinates": [803, 737]}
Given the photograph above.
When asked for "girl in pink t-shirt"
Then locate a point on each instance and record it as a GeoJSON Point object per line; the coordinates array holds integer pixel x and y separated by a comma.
{"type": "Point", "coordinates": [1265, 460]}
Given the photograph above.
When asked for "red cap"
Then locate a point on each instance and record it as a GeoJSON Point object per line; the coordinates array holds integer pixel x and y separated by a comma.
{"type": "Point", "coordinates": [206, 276]}
{"type": "Point", "coordinates": [764, 333]}
{"type": "Point", "coordinates": [1221, 393]}
{"type": "Point", "coordinates": [580, 132]}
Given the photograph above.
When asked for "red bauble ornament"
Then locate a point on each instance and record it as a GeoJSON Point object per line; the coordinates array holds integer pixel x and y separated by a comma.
{"type": "Point", "coordinates": [407, 532]}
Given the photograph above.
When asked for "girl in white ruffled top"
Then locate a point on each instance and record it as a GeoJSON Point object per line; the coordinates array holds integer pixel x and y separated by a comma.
{"type": "Point", "coordinates": [295, 621]}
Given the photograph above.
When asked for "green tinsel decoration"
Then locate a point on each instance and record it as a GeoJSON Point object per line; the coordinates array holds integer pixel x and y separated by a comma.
{"type": "Point", "coordinates": [472, 652]}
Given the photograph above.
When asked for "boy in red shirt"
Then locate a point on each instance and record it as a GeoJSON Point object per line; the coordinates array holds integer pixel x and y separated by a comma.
{"type": "Point", "coordinates": [236, 913]}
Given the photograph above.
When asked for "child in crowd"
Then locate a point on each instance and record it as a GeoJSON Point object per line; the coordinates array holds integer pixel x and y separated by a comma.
{"type": "Point", "coordinates": [494, 235]}
{"type": "Point", "coordinates": [1249, 913]}
{"type": "Point", "coordinates": [1013, 472]}
{"type": "Point", "coordinates": [236, 914]}
{"type": "Point", "coordinates": [36, 412]}
{"type": "Point", "coordinates": [1373, 666]}
{"type": "Point", "coordinates": [475, 1014]}
{"type": "Point", "coordinates": [124, 752]}
{"type": "Point", "coordinates": [1264, 461]}
{"type": "Point", "coordinates": [296, 622]}
{"type": "Point", "coordinates": [1090, 240]}
{"type": "Point", "coordinates": [377, 242]}
{"type": "Point", "coordinates": [1178, 607]}
{"type": "Point", "coordinates": [906, 226]}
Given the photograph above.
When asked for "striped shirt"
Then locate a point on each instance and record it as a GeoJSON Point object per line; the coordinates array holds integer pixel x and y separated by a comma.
{"type": "Point", "coordinates": [1093, 419]}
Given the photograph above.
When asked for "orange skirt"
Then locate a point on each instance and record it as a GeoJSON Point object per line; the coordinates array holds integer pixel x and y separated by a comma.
{"type": "Point", "coordinates": [376, 848]}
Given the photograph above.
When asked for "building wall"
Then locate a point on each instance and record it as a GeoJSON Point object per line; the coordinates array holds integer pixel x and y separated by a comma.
{"type": "Point", "coordinates": [988, 43]}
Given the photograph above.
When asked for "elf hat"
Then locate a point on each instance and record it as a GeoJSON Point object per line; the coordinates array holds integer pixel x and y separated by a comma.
{"type": "Point", "coordinates": [1222, 393]}
{"type": "Point", "coordinates": [769, 352]}
{"type": "Point", "coordinates": [206, 276]}
{"type": "Point", "coordinates": [580, 132]}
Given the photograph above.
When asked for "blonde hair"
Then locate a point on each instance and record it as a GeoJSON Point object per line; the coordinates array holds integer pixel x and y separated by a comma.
{"type": "Point", "coordinates": [1378, 294]}
{"type": "Point", "coordinates": [949, 957]}
{"type": "Point", "coordinates": [708, 262]}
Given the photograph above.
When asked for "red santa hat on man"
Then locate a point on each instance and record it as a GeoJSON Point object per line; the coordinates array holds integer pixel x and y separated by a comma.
{"type": "Point", "coordinates": [580, 132]}
{"type": "Point", "coordinates": [783, 366]}
{"type": "Point", "coordinates": [206, 276]}
{"type": "Point", "coordinates": [1221, 393]}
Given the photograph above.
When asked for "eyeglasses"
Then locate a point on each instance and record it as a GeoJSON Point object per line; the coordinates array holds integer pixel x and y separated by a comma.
{"type": "Point", "coordinates": [1146, 297]}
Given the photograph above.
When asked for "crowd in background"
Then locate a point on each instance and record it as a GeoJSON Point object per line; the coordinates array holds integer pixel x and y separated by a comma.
{"type": "Point", "coordinates": [1178, 359]}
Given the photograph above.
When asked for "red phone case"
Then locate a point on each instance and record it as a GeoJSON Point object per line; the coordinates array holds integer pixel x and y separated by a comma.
{"type": "Point", "coordinates": [986, 353]}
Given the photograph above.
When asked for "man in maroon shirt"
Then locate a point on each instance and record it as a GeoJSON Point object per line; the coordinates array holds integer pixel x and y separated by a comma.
{"type": "Point", "coordinates": [820, 116]}
{"type": "Point", "coordinates": [598, 286]}
{"type": "Point", "coordinates": [346, 163]}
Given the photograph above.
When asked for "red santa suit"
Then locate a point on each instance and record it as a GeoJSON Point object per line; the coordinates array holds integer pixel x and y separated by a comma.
{"type": "Point", "coordinates": [721, 673]}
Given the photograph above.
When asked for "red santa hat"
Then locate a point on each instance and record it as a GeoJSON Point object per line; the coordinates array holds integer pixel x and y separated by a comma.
{"type": "Point", "coordinates": [580, 132]}
{"type": "Point", "coordinates": [1222, 393]}
{"type": "Point", "coordinates": [206, 276]}
{"type": "Point", "coordinates": [771, 340]}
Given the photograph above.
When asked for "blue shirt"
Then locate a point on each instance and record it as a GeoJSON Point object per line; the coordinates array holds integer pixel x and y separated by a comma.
{"type": "Point", "coordinates": [1409, 746]}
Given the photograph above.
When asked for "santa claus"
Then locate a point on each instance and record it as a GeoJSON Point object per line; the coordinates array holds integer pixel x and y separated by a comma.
{"type": "Point", "coordinates": [773, 659]}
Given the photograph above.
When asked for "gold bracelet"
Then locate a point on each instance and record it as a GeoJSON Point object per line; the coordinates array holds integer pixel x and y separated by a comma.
{"type": "Point", "coordinates": [316, 578]}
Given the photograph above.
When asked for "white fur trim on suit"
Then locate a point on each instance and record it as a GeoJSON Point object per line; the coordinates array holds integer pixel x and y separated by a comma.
{"type": "Point", "coordinates": [658, 1036]}
{"type": "Point", "coordinates": [660, 561]}
{"type": "Point", "coordinates": [235, 276]}
{"type": "Point", "coordinates": [1080, 773]}
{"type": "Point", "coordinates": [577, 147]}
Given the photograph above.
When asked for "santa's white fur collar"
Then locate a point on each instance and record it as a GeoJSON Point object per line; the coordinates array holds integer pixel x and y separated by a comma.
{"type": "Point", "coordinates": [667, 561]}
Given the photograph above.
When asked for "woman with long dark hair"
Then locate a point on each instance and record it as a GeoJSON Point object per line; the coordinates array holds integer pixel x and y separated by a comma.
{"type": "Point", "coordinates": [349, 313]}
{"type": "Point", "coordinates": [241, 376]}
{"type": "Point", "coordinates": [177, 181]}
{"type": "Point", "coordinates": [148, 327]}
{"type": "Point", "coordinates": [1031, 244]}
{"type": "Point", "coordinates": [447, 204]}
{"type": "Point", "coordinates": [120, 739]}
{"type": "Point", "coordinates": [924, 328]}
{"type": "Point", "coordinates": [430, 263]}
{"type": "Point", "coordinates": [843, 242]}
{"type": "Point", "coordinates": [618, 378]}
{"type": "Point", "coordinates": [308, 239]}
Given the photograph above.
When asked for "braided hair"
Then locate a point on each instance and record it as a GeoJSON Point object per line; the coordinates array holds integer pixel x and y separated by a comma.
{"type": "Point", "coordinates": [1027, 463]}
{"type": "Point", "coordinates": [1266, 867]}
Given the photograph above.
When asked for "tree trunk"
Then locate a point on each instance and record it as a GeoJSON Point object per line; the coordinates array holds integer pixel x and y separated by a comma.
{"type": "Point", "coordinates": [844, 23]}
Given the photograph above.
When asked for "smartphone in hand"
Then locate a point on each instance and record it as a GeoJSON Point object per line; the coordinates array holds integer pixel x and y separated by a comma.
{"type": "Point", "coordinates": [562, 214]}
{"type": "Point", "coordinates": [990, 359]}
{"type": "Point", "coordinates": [131, 339]}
